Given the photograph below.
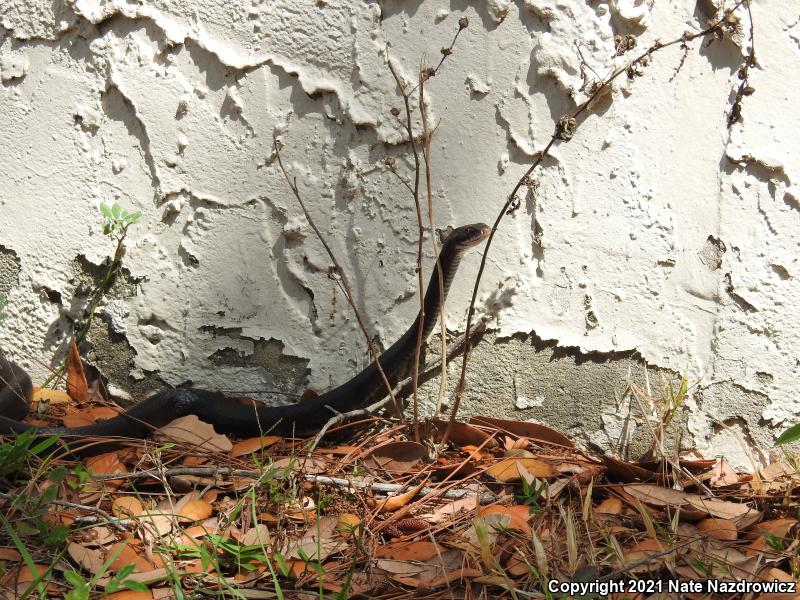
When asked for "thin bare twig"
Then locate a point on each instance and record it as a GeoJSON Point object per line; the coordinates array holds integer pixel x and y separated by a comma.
{"type": "Point", "coordinates": [352, 484]}
{"type": "Point", "coordinates": [424, 75]}
{"type": "Point", "coordinates": [343, 280]}
{"type": "Point", "coordinates": [564, 131]}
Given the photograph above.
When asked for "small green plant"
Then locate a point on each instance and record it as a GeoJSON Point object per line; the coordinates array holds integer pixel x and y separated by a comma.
{"type": "Point", "coordinates": [531, 495]}
{"type": "Point", "coordinates": [2, 306]}
{"type": "Point", "coordinates": [706, 568]}
{"type": "Point", "coordinates": [773, 541]}
{"type": "Point", "coordinates": [117, 219]}
{"type": "Point", "coordinates": [17, 452]}
{"type": "Point", "coordinates": [116, 222]}
{"type": "Point", "coordinates": [790, 435]}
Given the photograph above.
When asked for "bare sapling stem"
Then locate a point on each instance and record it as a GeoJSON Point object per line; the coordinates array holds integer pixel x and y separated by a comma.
{"type": "Point", "coordinates": [345, 284]}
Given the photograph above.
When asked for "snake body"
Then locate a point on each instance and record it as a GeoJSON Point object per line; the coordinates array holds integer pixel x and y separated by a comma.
{"type": "Point", "coordinates": [231, 417]}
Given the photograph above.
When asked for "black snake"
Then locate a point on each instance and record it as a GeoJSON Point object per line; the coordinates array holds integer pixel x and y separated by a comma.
{"type": "Point", "coordinates": [231, 417]}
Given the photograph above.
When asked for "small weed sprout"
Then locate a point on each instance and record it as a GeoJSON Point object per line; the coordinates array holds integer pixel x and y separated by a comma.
{"type": "Point", "coordinates": [116, 222]}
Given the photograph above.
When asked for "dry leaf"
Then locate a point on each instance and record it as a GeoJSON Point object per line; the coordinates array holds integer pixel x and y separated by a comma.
{"type": "Point", "coordinates": [193, 431]}
{"type": "Point", "coordinates": [771, 574]}
{"type": "Point", "coordinates": [641, 551]}
{"type": "Point", "coordinates": [393, 503]}
{"type": "Point", "coordinates": [104, 464]}
{"type": "Point", "coordinates": [126, 506]}
{"type": "Point", "coordinates": [102, 413]}
{"type": "Point", "coordinates": [416, 550]}
{"type": "Point", "coordinates": [89, 559]}
{"type": "Point", "coordinates": [77, 418]}
{"type": "Point", "coordinates": [507, 470]}
{"type": "Point", "coordinates": [517, 566]}
{"type": "Point", "coordinates": [194, 510]}
{"type": "Point", "coordinates": [348, 524]}
{"type": "Point", "coordinates": [610, 506]}
{"type": "Point", "coordinates": [50, 396]}
{"type": "Point", "coordinates": [462, 434]}
{"type": "Point", "coordinates": [533, 431]}
{"type": "Point", "coordinates": [518, 516]}
{"type": "Point", "coordinates": [723, 474]}
{"type": "Point", "coordinates": [256, 444]}
{"type": "Point", "coordinates": [720, 529]}
{"type": "Point", "coordinates": [77, 388]}
{"type": "Point", "coordinates": [742, 514]}
{"type": "Point", "coordinates": [130, 595]}
{"type": "Point", "coordinates": [156, 523]}
{"type": "Point", "coordinates": [256, 536]}
{"type": "Point", "coordinates": [318, 542]}
{"type": "Point", "coordinates": [128, 555]}
{"type": "Point", "coordinates": [398, 456]}
{"type": "Point", "coordinates": [10, 554]}
{"type": "Point", "coordinates": [448, 512]}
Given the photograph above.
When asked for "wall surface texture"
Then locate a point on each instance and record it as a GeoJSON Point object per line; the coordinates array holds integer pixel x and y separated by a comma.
{"type": "Point", "coordinates": [657, 236]}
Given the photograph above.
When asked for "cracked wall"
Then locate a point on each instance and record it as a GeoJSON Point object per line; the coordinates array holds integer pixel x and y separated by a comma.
{"type": "Point", "coordinates": [656, 230]}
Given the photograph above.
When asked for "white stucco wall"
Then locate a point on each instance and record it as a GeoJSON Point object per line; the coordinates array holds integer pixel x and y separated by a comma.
{"type": "Point", "coordinates": [677, 234]}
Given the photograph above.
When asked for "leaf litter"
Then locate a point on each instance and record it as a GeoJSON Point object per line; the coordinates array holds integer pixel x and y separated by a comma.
{"type": "Point", "coordinates": [504, 508]}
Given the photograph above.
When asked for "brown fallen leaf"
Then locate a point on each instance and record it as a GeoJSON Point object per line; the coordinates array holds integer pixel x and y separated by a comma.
{"type": "Point", "coordinates": [742, 514]}
{"type": "Point", "coordinates": [533, 431]}
{"type": "Point", "coordinates": [720, 529]}
{"type": "Point", "coordinates": [518, 516]}
{"type": "Point", "coordinates": [77, 418]}
{"type": "Point", "coordinates": [641, 551]}
{"type": "Point", "coordinates": [507, 470]}
{"type": "Point", "coordinates": [130, 595]}
{"type": "Point", "coordinates": [102, 413]}
{"type": "Point", "coordinates": [128, 555]}
{"type": "Point", "coordinates": [319, 541]}
{"type": "Point", "coordinates": [393, 503]}
{"type": "Point", "coordinates": [156, 523]}
{"type": "Point", "coordinates": [454, 575]}
{"type": "Point", "coordinates": [462, 434]}
{"type": "Point", "coordinates": [517, 566]}
{"type": "Point", "coordinates": [722, 474]}
{"type": "Point", "coordinates": [776, 527]}
{"type": "Point", "coordinates": [193, 431]}
{"type": "Point", "coordinates": [88, 558]}
{"type": "Point", "coordinates": [10, 554]}
{"type": "Point", "coordinates": [104, 464]}
{"type": "Point", "coordinates": [348, 525]}
{"type": "Point", "coordinates": [256, 444]}
{"type": "Point", "coordinates": [610, 506]}
{"type": "Point", "coordinates": [422, 572]}
{"type": "Point", "coordinates": [771, 574]}
{"type": "Point", "coordinates": [412, 550]}
{"type": "Point", "coordinates": [446, 513]}
{"type": "Point", "coordinates": [194, 510]}
{"type": "Point", "coordinates": [397, 456]}
{"type": "Point", "coordinates": [126, 506]}
{"type": "Point", "coordinates": [256, 536]}
{"type": "Point", "coordinates": [77, 388]}
{"type": "Point", "coordinates": [50, 396]}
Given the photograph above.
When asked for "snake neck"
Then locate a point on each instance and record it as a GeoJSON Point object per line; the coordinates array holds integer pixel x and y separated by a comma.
{"type": "Point", "coordinates": [436, 292]}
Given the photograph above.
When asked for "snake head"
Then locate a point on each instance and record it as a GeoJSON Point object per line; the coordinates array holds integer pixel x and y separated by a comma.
{"type": "Point", "coordinates": [465, 236]}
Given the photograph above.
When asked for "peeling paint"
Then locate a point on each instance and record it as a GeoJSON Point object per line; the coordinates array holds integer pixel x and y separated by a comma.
{"type": "Point", "coordinates": [656, 229]}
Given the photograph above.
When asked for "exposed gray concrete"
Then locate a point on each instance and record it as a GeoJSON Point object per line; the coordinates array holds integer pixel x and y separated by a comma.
{"type": "Point", "coordinates": [582, 395]}
{"type": "Point", "coordinates": [9, 269]}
